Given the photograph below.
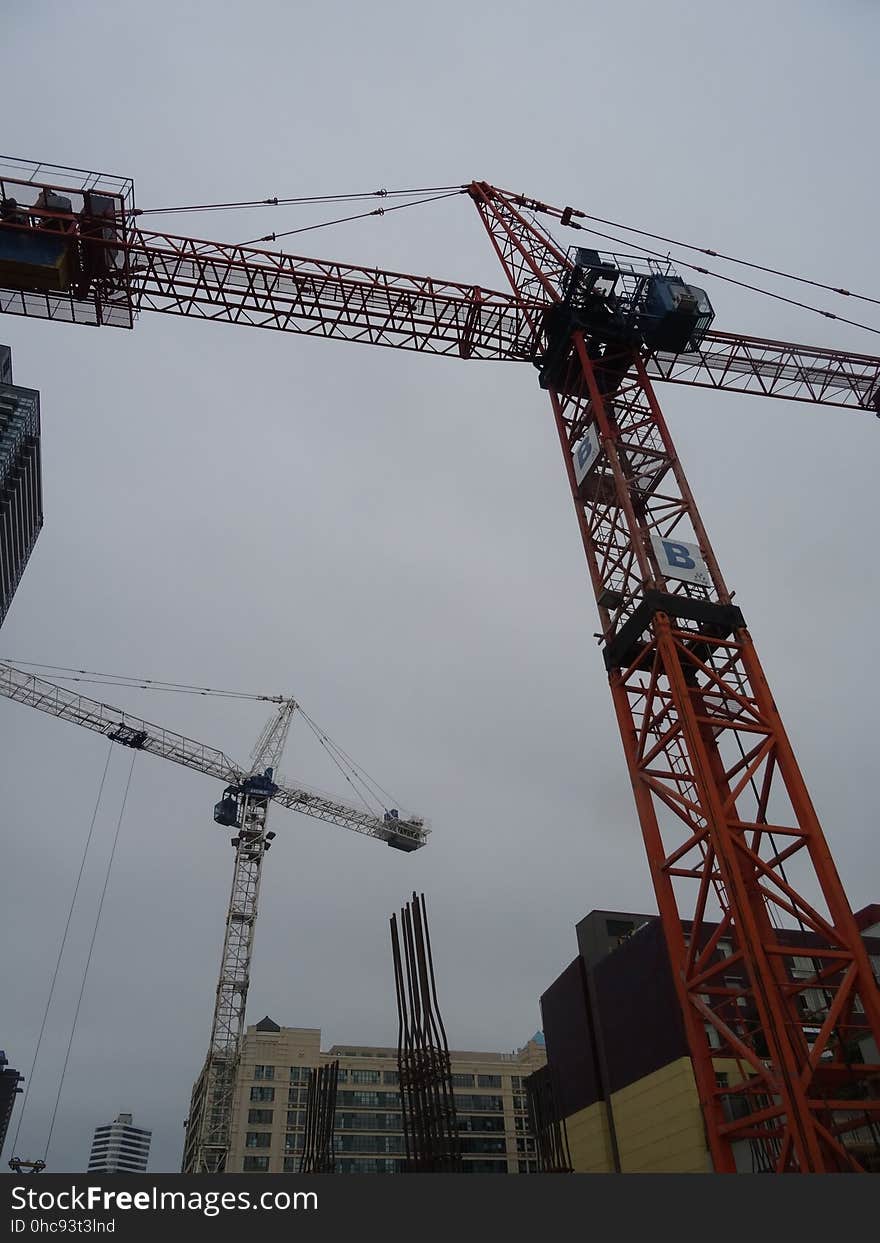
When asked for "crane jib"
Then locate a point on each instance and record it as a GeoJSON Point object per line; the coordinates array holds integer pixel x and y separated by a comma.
{"type": "Point", "coordinates": [69, 251]}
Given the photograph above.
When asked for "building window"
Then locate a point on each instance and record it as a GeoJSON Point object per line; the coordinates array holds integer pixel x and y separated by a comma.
{"type": "Point", "coordinates": [293, 1141]}
{"type": "Point", "coordinates": [296, 1118]}
{"type": "Point", "coordinates": [480, 1122]}
{"type": "Point", "coordinates": [485, 1165]}
{"type": "Point", "coordinates": [488, 1081]}
{"type": "Point", "coordinates": [264, 1072]}
{"type": "Point", "coordinates": [365, 1076]}
{"type": "Point", "coordinates": [722, 1079]}
{"type": "Point", "coordinates": [262, 1117]}
{"type": "Point", "coordinates": [297, 1096]}
{"type": "Point", "coordinates": [712, 1036]}
{"type": "Point", "coordinates": [368, 1100]}
{"type": "Point", "coordinates": [367, 1122]}
{"type": "Point", "coordinates": [519, 1104]}
{"type": "Point", "coordinates": [485, 1144]}
{"type": "Point", "coordinates": [299, 1074]}
{"type": "Point", "coordinates": [255, 1165]}
{"type": "Point", "coordinates": [391, 1076]}
{"type": "Point", "coordinates": [516, 1082]}
{"type": "Point", "coordinates": [725, 949]}
{"type": "Point", "coordinates": [262, 1094]}
{"type": "Point", "coordinates": [737, 986]}
{"type": "Point", "coordinates": [369, 1143]}
{"type": "Point", "coordinates": [480, 1104]}
{"type": "Point", "coordinates": [462, 1081]}
{"type": "Point", "coordinates": [258, 1139]}
{"type": "Point", "coordinates": [802, 968]}
{"type": "Point", "coordinates": [812, 1001]}
{"type": "Point", "coordinates": [370, 1165]}
{"type": "Point", "coordinates": [291, 1165]}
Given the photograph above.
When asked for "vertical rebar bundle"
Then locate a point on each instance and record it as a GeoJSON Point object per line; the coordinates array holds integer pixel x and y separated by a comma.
{"type": "Point", "coordinates": [547, 1123]}
{"type": "Point", "coordinates": [430, 1127]}
{"type": "Point", "coordinates": [317, 1155]}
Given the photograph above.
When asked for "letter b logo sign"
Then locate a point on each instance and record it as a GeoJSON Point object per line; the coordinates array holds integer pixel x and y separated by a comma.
{"type": "Point", "coordinates": [678, 557]}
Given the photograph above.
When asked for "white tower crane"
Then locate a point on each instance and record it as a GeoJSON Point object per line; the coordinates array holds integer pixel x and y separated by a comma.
{"type": "Point", "coordinates": [243, 807]}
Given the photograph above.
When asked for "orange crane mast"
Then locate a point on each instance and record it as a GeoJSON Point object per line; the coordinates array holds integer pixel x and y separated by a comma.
{"type": "Point", "coordinates": [721, 801]}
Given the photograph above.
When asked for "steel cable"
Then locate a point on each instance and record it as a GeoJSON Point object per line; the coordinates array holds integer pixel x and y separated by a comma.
{"type": "Point", "coordinates": [82, 864]}
{"type": "Point", "coordinates": [89, 955]}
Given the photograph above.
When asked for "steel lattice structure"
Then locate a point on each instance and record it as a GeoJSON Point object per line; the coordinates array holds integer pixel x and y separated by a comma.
{"type": "Point", "coordinates": [728, 825]}
{"type": "Point", "coordinates": [722, 804]}
{"type": "Point", "coordinates": [122, 270]}
{"type": "Point", "coordinates": [430, 1126]}
{"type": "Point", "coordinates": [249, 791]}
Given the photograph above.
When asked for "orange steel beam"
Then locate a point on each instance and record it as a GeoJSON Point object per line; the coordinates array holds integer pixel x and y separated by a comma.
{"type": "Point", "coordinates": [721, 801]}
{"type": "Point", "coordinates": [154, 271]}
{"type": "Point", "coordinates": [722, 805]}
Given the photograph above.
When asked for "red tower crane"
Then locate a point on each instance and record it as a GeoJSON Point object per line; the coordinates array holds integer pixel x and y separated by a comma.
{"type": "Point", "coordinates": [721, 801]}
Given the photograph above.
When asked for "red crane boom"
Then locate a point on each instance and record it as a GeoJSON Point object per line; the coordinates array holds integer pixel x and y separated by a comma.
{"type": "Point", "coordinates": [724, 811]}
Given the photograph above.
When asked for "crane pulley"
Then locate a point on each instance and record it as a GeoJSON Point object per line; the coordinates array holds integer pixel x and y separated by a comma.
{"type": "Point", "coordinates": [721, 802]}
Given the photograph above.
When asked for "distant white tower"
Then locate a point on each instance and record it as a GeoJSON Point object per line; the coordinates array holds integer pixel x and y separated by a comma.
{"type": "Point", "coordinates": [120, 1148]}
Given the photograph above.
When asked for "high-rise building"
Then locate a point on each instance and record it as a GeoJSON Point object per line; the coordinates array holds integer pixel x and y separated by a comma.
{"type": "Point", "coordinates": [9, 1089]}
{"type": "Point", "coordinates": [21, 493]}
{"type": "Point", "coordinates": [272, 1086]}
{"type": "Point", "coordinates": [618, 1058]}
{"type": "Point", "coordinates": [120, 1148]}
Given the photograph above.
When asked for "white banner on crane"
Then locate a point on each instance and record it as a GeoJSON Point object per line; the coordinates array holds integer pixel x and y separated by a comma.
{"type": "Point", "coordinates": [681, 561]}
{"type": "Point", "coordinates": [585, 454]}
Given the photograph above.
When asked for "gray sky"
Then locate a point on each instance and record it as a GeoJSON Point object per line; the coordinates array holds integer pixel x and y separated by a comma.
{"type": "Point", "coordinates": [389, 537]}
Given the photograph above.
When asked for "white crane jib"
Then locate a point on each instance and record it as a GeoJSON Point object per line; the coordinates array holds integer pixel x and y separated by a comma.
{"type": "Point", "coordinates": [401, 832]}
{"type": "Point", "coordinates": [243, 807]}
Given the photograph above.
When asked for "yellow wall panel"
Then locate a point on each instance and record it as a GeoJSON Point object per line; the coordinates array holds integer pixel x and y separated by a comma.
{"type": "Point", "coordinates": [588, 1140]}
{"type": "Point", "coordinates": [658, 1123]}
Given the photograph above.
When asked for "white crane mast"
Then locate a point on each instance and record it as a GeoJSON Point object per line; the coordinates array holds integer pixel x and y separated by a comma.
{"type": "Point", "coordinates": [244, 808]}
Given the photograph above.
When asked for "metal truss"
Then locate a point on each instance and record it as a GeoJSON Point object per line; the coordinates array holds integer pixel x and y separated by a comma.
{"type": "Point", "coordinates": [430, 1127]}
{"type": "Point", "coordinates": [208, 1125]}
{"type": "Point", "coordinates": [212, 1123]}
{"type": "Point", "coordinates": [317, 1154]}
{"type": "Point", "coordinates": [737, 363]}
{"type": "Point", "coordinates": [730, 832]}
{"type": "Point", "coordinates": [133, 731]}
{"type": "Point", "coordinates": [122, 270]}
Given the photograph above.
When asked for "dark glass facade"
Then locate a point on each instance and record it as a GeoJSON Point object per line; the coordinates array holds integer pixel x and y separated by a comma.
{"type": "Point", "coordinates": [21, 492]}
{"type": "Point", "coordinates": [9, 1089]}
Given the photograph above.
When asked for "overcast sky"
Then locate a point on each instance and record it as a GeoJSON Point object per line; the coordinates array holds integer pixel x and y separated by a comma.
{"type": "Point", "coordinates": [389, 537]}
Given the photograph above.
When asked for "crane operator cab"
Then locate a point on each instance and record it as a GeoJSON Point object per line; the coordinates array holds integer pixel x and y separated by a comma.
{"type": "Point", "coordinates": [226, 812]}
{"type": "Point", "coordinates": [621, 310]}
{"type": "Point", "coordinates": [259, 786]}
{"type": "Point", "coordinates": [397, 837]}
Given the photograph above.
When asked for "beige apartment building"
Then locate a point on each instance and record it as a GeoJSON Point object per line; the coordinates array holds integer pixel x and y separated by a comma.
{"type": "Point", "coordinates": [271, 1092]}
